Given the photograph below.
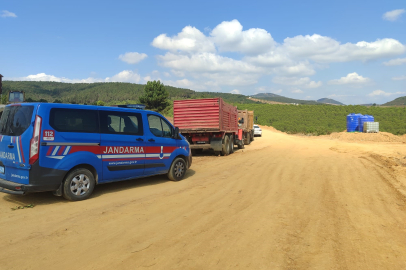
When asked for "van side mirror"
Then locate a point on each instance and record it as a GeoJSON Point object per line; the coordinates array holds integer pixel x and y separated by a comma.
{"type": "Point", "coordinates": [176, 133]}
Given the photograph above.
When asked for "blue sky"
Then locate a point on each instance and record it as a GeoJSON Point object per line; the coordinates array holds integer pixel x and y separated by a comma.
{"type": "Point", "coordinates": [351, 51]}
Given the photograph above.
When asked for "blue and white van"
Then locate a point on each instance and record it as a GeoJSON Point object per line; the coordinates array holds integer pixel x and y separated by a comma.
{"type": "Point", "coordinates": [68, 149]}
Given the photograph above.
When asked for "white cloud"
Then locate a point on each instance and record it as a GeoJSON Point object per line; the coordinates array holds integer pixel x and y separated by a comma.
{"type": "Point", "coordinates": [205, 62]}
{"type": "Point", "coordinates": [185, 83]}
{"type": "Point", "coordinates": [400, 78]}
{"type": "Point", "coordinates": [297, 91]}
{"type": "Point", "coordinates": [326, 50]}
{"type": "Point", "coordinates": [303, 82]}
{"type": "Point", "coordinates": [195, 54]}
{"type": "Point", "coordinates": [393, 15]}
{"type": "Point", "coordinates": [307, 46]}
{"type": "Point", "coordinates": [383, 93]}
{"type": "Point", "coordinates": [6, 14]}
{"type": "Point", "coordinates": [278, 91]}
{"type": "Point", "coordinates": [352, 79]}
{"type": "Point", "coordinates": [124, 76]}
{"type": "Point", "coordinates": [230, 37]}
{"type": "Point", "coordinates": [189, 40]}
{"type": "Point", "coordinates": [395, 62]}
{"type": "Point", "coordinates": [132, 57]}
{"type": "Point", "coordinates": [235, 91]}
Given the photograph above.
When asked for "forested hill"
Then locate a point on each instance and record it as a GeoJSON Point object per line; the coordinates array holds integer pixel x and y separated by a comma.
{"type": "Point", "coordinates": [110, 93]}
{"type": "Point", "coordinates": [329, 101]}
{"type": "Point", "coordinates": [282, 99]}
{"type": "Point", "coordinates": [400, 101]}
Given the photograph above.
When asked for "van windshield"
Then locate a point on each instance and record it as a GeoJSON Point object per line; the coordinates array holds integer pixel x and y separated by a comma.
{"type": "Point", "coordinates": [15, 120]}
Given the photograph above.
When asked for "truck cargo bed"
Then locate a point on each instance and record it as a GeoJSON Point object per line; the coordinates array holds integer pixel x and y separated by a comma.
{"type": "Point", "coordinates": [204, 115]}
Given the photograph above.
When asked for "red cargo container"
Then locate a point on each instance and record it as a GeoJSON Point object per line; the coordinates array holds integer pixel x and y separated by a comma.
{"type": "Point", "coordinates": [208, 123]}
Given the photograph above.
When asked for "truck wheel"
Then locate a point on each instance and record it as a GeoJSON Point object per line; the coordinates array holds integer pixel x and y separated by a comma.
{"type": "Point", "coordinates": [252, 136]}
{"type": "Point", "coordinates": [248, 141]}
{"type": "Point", "coordinates": [241, 144]}
{"type": "Point", "coordinates": [231, 144]}
{"type": "Point", "coordinates": [226, 146]}
{"type": "Point", "coordinates": [78, 185]}
{"type": "Point", "coordinates": [177, 170]}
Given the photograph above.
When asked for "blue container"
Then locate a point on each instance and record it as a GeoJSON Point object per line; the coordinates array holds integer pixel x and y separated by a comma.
{"type": "Point", "coordinates": [353, 122]}
{"type": "Point", "coordinates": [363, 119]}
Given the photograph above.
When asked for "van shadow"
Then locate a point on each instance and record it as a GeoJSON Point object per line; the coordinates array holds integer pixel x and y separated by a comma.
{"type": "Point", "coordinates": [113, 187]}
{"type": "Point", "coordinates": [45, 198]}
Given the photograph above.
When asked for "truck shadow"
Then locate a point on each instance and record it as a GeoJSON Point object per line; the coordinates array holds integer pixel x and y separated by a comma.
{"type": "Point", "coordinates": [44, 198]}
{"type": "Point", "coordinates": [208, 153]}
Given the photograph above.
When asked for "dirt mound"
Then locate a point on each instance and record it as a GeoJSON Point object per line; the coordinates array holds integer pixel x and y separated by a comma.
{"type": "Point", "coordinates": [366, 137]}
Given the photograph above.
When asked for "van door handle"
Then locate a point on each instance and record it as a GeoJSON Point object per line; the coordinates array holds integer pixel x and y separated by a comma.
{"type": "Point", "coordinates": [151, 140]}
{"type": "Point", "coordinates": [10, 146]}
{"type": "Point", "coordinates": [140, 140]}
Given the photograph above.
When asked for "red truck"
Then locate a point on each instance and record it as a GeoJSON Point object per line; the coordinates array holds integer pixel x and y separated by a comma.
{"type": "Point", "coordinates": [208, 123]}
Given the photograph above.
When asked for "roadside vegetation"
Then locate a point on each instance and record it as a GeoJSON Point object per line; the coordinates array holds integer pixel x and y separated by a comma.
{"type": "Point", "coordinates": [324, 119]}
{"type": "Point", "coordinates": [307, 119]}
{"type": "Point", "coordinates": [109, 93]}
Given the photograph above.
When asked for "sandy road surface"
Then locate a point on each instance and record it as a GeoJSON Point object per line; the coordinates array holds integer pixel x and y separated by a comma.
{"type": "Point", "coordinates": [285, 202]}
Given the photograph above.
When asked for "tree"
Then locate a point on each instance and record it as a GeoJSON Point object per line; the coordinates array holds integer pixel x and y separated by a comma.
{"type": "Point", "coordinates": [155, 96]}
{"type": "Point", "coordinates": [100, 103]}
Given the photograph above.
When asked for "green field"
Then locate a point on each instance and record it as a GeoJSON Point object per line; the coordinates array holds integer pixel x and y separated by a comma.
{"type": "Point", "coordinates": [324, 119]}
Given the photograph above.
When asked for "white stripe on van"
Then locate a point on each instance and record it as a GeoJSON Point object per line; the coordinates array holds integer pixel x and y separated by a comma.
{"type": "Point", "coordinates": [55, 150]}
{"type": "Point", "coordinates": [18, 150]}
{"type": "Point", "coordinates": [56, 157]}
{"type": "Point", "coordinates": [66, 151]}
{"type": "Point", "coordinates": [152, 155]}
{"type": "Point", "coordinates": [124, 156]}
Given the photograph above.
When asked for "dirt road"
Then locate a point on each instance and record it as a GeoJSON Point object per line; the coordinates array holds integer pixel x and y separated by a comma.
{"type": "Point", "coordinates": [285, 202]}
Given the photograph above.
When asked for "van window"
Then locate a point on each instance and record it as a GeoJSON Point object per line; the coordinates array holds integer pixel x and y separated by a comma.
{"type": "Point", "coordinates": [15, 120]}
{"type": "Point", "coordinates": [74, 120]}
{"type": "Point", "coordinates": [159, 127]}
{"type": "Point", "coordinates": [126, 123]}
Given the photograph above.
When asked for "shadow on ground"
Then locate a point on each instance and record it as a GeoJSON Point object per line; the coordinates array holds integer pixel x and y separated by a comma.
{"type": "Point", "coordinates": [44, 198]}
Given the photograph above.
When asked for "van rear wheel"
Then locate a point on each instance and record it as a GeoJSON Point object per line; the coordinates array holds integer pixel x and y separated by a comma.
{"type": "Point", "coordinates": [78, 185]}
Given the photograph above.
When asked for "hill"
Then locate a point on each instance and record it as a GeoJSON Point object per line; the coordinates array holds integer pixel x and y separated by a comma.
{"type": "Point", "coordinates": [400, 101]}
{"type": "Point", "coordinates": [282, 99]}
{"type": "Point", "coordinates": [329, 101]}
{"type": "Point", "coordinates": [110, 93]}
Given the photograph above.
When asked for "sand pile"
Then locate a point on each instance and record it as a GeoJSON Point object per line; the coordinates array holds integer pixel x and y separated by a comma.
{"type": "Point", "coordinates": [367, 137]}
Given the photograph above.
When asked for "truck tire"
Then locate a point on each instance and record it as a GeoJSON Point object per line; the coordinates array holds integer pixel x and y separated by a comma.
{"type": "Point", "coordinates": [78, 185]}
{"type": "Point", "coordinates": [226, 146]}
{"type": "Point", "coordinates": [241, 144]}
{"type": "Point", "coordinates": [248, 139]}
{"type": "Point", "coordinates": [231, 144]}
{"type": "Point", "coordinates": [252, 136]}
{"type": "Point", "coordinates": [177, 170]}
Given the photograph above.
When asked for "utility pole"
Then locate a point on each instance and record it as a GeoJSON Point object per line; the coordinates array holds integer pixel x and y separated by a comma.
{"type": "Point", "coordinates": [1, 89]}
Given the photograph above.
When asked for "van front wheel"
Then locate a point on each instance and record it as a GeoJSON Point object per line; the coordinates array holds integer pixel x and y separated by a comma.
{"type": "Point", "coordinates": [78, 185]}
{"type": "Point", "coordinates": [177, 170]}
